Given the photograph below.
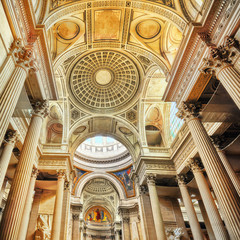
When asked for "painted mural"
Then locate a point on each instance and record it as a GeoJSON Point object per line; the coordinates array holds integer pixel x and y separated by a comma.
{"type": "Point", "coordinates": [124, 178]}
{"type": "Point", "coordinates": [98, 214]}
{"type": "Point", "coordinates": [80, 174]}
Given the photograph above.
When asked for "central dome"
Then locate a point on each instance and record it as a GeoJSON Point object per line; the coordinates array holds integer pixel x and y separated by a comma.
{"type": "Point", "coordinates": [104, 81]}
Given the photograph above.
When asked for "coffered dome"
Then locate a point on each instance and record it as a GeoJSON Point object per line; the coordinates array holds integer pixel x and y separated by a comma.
{"type": "Point", "coordinates": [104, 81]}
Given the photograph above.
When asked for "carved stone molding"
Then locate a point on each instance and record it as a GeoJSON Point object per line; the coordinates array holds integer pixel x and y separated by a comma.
{"type": "Point", "coordinates": [40, 108]}
{"type": "Point", "coordinates": [189, 110]}
{"type": "Point", "coordinates": [11, 137]}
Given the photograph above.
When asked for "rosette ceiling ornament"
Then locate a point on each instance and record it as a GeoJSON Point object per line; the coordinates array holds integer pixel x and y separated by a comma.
{"type": "Point", "coordinates": [104, 81]}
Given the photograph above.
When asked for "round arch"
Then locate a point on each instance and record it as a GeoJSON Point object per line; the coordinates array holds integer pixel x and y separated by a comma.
{"type": "Point", "coordinates": [112, 133]}
{"type": "Point", "coordinates": [117, 185]}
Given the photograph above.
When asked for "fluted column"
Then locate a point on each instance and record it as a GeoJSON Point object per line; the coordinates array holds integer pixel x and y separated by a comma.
{"type": "Point", "coordinates": [10, 140]}
{"type": "Point", "coordinates": [28, 206]}
{"type": "Point", "coordinates": [208, 201]}
{"type": "Point", "coordinates": [220, 62]}
{"type": "Point", "coordinates": [57, 214]}
{"type": "Point", "coordinates": [223, 188]}
{"type": "Point", "coordinates": [76, 227]}
{"type": "Point", "coordinates": [192, 216]}
{"type": "Point", "coordinates": [217, 140]}
{"type": "Point", "coordinates": [16, 199]}
{"type": "Point", "coordinates": [157, 215]}
{"type": "Point", "coordinates": [126, 228]}
{"type": "Point", "coordinates": [13, 88]}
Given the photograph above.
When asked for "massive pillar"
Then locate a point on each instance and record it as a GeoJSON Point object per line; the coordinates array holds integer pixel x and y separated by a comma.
{"type": "Point", "coordinates": [76, 226]}
{"type": "Point", "coordinates": [117, 234]}
{"type": "Point", "coordinates": [211, 208]}
{"type": "Point", "coordinates": [192, 216]}
{"type": "Point", "coordinates": [28, 206]}
{"type": "Point", "coordinates": [220, 62]}
{"type": "Point", "coordinates": [10, 140]}
{"type": "Point", "coordinates": [16, 199]}
{"type": "Point", "coordinates": [13, 88]}
{"type": "Point", "coordinates": [223, 188]}
{"type": "Point", "coordinates": [126, 228]}
{"type": "Point", "coordinates": [157, 215]}
{"type": "Point", "coordinates": [57, 214]}
{"type": "Point", "coordinates": [217, 140]}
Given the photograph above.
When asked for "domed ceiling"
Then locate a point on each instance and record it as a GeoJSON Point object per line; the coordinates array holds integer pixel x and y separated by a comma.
{"type": "Point", "coordinates": [104, 81]}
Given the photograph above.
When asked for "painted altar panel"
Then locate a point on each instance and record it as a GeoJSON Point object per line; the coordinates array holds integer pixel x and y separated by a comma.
{"type": "Point", "coordinates": [98, 214]}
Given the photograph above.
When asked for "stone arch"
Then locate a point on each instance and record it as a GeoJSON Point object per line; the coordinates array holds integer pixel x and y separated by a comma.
{"type": "Point", "coordinates": [116, 184]}
{"type": "Point", "coordinates": [111, 132]}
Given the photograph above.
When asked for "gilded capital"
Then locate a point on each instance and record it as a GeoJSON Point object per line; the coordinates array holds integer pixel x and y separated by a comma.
{"type": "Point", "coordinates": [195, 165]}
{"type": "Point", "coordinates": [11, 136]}
{"type": "Point", "coordinates": [22, 56]}
{"type": "Point", "coordinates": [189, 110]}
{"type": "Point", "coordinates": [40, 108]}
{"type": "Point", "coordinates": [181, 179]}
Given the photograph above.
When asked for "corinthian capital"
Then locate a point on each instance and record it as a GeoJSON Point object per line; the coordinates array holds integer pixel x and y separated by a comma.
{"type": "Point", "coordinates": [22, 56]}
{"type": "Point", "coordinates": [218, 140]}
{"type": "Point", "coordinates": [151, 179]}
{"type": "Point", "coordinates": [40, 108]}
{"type": "Point", "coordinates": [189, 110]}
{"type": "Point", "coordinates": [195, 165]}
{"type": "Point", "coordinates": [232, 42]}
{"type": "Point", "coordinates": [181, 179]}
{"type": "Point", "coordinates": [35, 172]}
{"type": "Point", "coordinates": [11, 136]}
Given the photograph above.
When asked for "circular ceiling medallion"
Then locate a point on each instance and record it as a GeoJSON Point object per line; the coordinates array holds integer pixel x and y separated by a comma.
{"type": "Point", "coordinates": [68, 30]}
{"type": "Point", "coordinates": [104, 80]}
{"type": "Point", "coordinates": [148, 29]}
{"type": "Point", "coordinates": [103, 77]}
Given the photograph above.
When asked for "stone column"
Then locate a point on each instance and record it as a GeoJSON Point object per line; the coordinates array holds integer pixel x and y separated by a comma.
{"type": "Point", "coordinates": [226, 194]}
{"type": "Point", "coordinates": [13, 88]}
{"type": "Point", "coordinates": [218, 140]}
{"type": "Point", "coordinates": [28, 206]}
{"type": "Point", "coordinates": [117, 234]}
{"type": "Point", "coordinates": [76, 227]}
{"type": "Point", "coordinates": [157, 215]}
{"type": "Point", "coordinates": [17, 196]}
{"type": "Point", "coordinates": [208, 201]}
{"type": "Point", "coordinates": [2, 190]}
{"type": "Point", "coordinates": [206, 221]}
{"type": "Point", "coordinates": [192, 216]}
{"type": "Point", "coordinates": [10, 140]}
{"type": "Point", "coordinates": [126, 228]}
{"type": "Point", "coordinates": [220, 63]}
{"type": "Point", "coordinates": [57, 214]}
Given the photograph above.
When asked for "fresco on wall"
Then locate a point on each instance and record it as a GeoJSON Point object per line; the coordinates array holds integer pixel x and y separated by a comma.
{"type": "Point", "coordinates": [98, 214]}
{"type": "Point", "coordinates": [124, 178]}
{"type": "Point", "coordinates": [79, 175]}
